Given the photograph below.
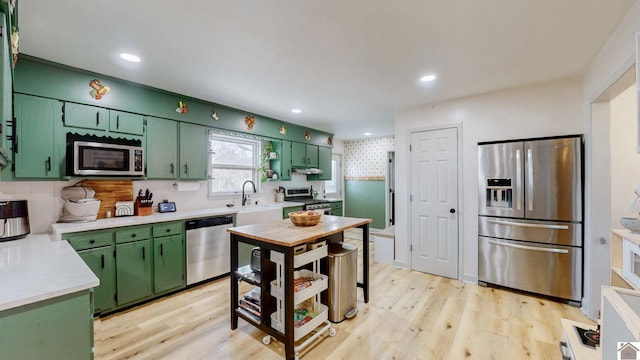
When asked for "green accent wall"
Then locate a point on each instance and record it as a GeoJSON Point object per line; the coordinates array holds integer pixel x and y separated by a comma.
{"type": "Point", "coordinates": [366, 199]}
{"type": "Point", "coordinates": [39, 77]}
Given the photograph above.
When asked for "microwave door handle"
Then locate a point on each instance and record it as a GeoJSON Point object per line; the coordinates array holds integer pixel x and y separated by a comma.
{"type": "Point", "coordinates": [518, 179]}
{"type": "Point", "coordinates": [530, 179]}
{"type": "Point", "coordinates": [534, 248]}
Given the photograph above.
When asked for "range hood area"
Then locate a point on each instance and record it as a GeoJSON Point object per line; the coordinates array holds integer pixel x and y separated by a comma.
{"type": "Point", "coordinates": [307, 171]}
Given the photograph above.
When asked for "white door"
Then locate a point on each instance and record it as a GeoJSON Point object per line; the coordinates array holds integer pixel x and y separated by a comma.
{"type": "Point", "coordinates": [434, 202]}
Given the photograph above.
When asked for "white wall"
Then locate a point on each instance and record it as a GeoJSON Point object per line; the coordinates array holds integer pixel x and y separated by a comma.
{"type": "Point", "coordinates": [542, 110]}
{"type": "Point", "coordinates": [616, 56]}
{"type": "Point", "coordinates": [625, 161]}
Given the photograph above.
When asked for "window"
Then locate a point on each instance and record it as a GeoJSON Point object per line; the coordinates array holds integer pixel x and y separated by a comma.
{"type": "Point", "coordinates": [333, 187]}
{"type": "Point", "coordinates": [232, 161]}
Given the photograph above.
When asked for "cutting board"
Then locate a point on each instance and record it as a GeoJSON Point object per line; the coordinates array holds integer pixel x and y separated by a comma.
{"type": "Point", "coordinates": [110, 191]}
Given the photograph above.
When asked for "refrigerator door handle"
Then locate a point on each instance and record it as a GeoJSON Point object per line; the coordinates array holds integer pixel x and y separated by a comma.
{"type": "Point", "coordinates": [518, 179]}
{"type": "Point", "coordinates": [534, 248]}
{"type": "Point", "coordinates": [539, 226]}
{"type": "Point", "coordinates": [530, 178]}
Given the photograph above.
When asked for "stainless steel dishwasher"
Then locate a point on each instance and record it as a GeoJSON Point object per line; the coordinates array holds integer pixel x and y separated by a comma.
{"type": "Point", "coordinates": [208, 247]}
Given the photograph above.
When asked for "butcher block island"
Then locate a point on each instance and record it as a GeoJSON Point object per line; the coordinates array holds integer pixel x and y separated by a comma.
{"type": "Point", "coordinates": [282, 253]}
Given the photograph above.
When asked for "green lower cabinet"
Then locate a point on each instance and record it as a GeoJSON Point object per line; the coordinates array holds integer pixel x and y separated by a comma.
{"type": "Point", "coordinates": [102, 263]}
{"type": "Point", "coordinates": [287, 210]}
{"type": "Point", "coordinates": [134, 271]}
{"type": "Point", "coordinates": [58, 328]}
{"type": "Point", "coordinates": [336, 208]}
{"type": "Point", "coordinates": [168, 263]}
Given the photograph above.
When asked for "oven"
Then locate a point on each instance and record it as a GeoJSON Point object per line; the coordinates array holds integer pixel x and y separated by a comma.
{"type": "Point", "coordinates": [305, 195]}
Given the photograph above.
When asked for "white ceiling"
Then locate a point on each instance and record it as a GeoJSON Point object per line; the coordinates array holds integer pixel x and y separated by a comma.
{"type": "Point", "coordinates": [348, 64]}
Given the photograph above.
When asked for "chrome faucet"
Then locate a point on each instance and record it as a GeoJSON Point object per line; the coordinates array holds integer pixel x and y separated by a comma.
{"type": "Point", "coordinates": [244, 197]}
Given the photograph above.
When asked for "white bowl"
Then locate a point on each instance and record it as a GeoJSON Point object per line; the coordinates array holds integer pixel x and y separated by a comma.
{"type": "Point", "coordinates": [632, 224]}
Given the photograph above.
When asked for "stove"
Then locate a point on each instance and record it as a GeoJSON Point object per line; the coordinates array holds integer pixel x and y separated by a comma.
{"type": "Point", "coordinates": [305, 195]}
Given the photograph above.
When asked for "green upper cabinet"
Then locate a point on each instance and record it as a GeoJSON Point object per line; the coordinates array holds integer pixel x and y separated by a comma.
{"type": "Point", "coordinates": [304, 155]}
{"type": "Point", "coordinates": [134, 271]}
{"type": "Point", "coordinates": [34, 148]}
{"type": "Point", "coordinates": [193, 152]}
{"type": "Point", "coordinates": [6, 81]}
{"type": "Point", "coordinates": [168, 263]}
{"type": "Point", "coordinates": [298, 154]}
{"type": "Point", "coordinates": [86, 116]}
{"type": "Point", "coordinates": [126, 123]}
{"type": "Point", "coordinates": [162, 148]}
{"type": "Point", "coordinates": [324, 164]}
{"type": "Point", "coordinates": [282, 164]}
{"type": "Point", "coordinates": [312, 156]}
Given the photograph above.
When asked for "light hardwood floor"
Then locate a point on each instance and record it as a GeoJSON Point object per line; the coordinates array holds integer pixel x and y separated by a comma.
{"type": "Point", "coordinates": [410, 315]}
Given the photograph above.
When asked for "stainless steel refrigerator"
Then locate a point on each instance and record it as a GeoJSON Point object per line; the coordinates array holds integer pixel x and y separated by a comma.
{"type": "Point", "coordinates": [530, 216]}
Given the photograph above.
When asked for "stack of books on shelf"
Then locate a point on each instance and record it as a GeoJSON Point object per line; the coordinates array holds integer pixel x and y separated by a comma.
{"type": "Point", "coordinates": [251, 302]}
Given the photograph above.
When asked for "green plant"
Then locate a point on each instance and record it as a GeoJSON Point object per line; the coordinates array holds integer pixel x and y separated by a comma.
{"type": "Point", "coordinates": [267, 149]}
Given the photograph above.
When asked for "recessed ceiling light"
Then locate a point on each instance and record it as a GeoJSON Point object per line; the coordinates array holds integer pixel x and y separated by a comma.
{"type": "Point", "coordinates": [367, 134]}
{"type": "Point", "coordinates": [130, 57]}
{"type": "Point", "coordinates": [296, 111]}
{"type": "Point", "coordinates": [428, 78]}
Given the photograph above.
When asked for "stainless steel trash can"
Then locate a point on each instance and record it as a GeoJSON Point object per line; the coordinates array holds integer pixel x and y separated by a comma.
{"type": "Point", "coordinates": [343, 278]}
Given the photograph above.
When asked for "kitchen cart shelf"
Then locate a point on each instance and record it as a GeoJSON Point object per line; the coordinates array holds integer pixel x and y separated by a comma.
{"type": "Point", "coordinates": [302, 259]}
{"type": "Point", "coordinates": [320, 283]}
{"type": "Point", "coordinates": [299, 332]}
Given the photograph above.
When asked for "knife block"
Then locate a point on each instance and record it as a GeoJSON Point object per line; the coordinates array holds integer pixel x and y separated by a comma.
{"type": "Point", "coordinates": [143, 209]}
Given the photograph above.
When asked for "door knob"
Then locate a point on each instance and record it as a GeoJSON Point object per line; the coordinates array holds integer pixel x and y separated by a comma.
{"type": "Point", "coordinates": [452, 210]}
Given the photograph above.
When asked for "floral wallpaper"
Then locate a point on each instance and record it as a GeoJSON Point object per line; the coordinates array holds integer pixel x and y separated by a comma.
{"type": "Point", "coordinates": [367, 157]}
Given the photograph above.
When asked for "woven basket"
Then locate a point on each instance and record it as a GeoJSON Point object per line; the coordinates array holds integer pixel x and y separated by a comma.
{"type": "Point", "coordinates": [305, 217]}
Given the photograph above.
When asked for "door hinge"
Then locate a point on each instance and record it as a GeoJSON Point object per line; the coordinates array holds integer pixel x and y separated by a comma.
{"type": "Point", "coordinates": [410, 148]}
{"type": "Point", "coordinates": [410, 247]}
{"type": "Point", "coordinates": [410, 198]}
{"type": "Point", "coordinates": [114, 253]}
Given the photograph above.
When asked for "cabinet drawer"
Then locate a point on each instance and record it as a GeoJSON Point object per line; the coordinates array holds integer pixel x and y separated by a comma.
{"type": "Point", "coordinates": [336, 205]}
{"type": "Point", "coordinates": [89, 240]}
{"type": "Point", "coordinates": [133, 234]}
{"type": "Point", "coordinates": [167, 229]}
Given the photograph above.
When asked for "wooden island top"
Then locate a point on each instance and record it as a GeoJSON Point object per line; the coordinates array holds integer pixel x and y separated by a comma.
{"type": "Point", "coordinates": [284, 233]}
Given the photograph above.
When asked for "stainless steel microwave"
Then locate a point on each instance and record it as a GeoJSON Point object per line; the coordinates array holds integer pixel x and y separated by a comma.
{"type": "Point", "coordinates": [94, 158]}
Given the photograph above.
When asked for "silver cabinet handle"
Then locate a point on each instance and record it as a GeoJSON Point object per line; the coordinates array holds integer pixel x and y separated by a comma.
{"type": "Point", "coordinates": [534, 248]}
{"type": "Point", "coordinates": [518, 180]}
{"type": "Point", "coordinates": [539, 226]}
{"type": "Point", "coordinates": [530, 178]}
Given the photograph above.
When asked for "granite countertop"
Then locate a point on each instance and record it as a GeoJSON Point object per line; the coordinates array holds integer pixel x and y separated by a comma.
{"type": "Point", "coordinates": [35, 269]}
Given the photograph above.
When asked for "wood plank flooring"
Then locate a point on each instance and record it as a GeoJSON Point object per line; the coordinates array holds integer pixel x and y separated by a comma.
{"type": "Point", "coordinates": [410, 315]}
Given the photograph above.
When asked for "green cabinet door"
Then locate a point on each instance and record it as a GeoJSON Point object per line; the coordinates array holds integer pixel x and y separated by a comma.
{"type": "Point", "coordinates": [287, 210]}
{"type": "Point", "coordinates": [324, 164]}
{"type": "Point", "coordinates": [34, 149]}
{"type": "Point", "coordinates": [193, 152]}
{"type": "Point", "coordinates": [312, 155]}
{"type": "Point", "coordinates": [6, 87]}
{"type": "Point", "coordinates": [126, 123]}
{"type": "Point", "coordinates": [57, 328]}
{"type": "Point", "coordinates": [133, 271]}
{"type": "Point", "coordinates": [102, 263]}
{"type": "Point", "coordinates": [85, 116]}
{"type": "Point", "coordinates": [162, 148]}
{"type": "Point", "coordinates": [169, 263]}
{"type": "Point", "coordinates": [298, 154]}
{"type": "Point", "coordinates": [336, 208]}
{"type": "Point", "coordinates": [285, 160]}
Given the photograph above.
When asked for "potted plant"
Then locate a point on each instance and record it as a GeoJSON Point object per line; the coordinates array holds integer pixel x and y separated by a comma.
{"type": "Point", "coordinates": [268, 152]}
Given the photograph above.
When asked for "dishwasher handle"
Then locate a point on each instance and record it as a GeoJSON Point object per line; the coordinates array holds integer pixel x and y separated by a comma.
{"type": "Point", "coordinates": [208, 222]}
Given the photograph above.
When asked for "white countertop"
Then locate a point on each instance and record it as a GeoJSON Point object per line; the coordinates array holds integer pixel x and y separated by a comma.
{"type": "Point", "coordinates": [57, 229]}
{"type": "Point", "coordinates": [35, 269]}
{"type": "Point", "coordinates": [628, 234]}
